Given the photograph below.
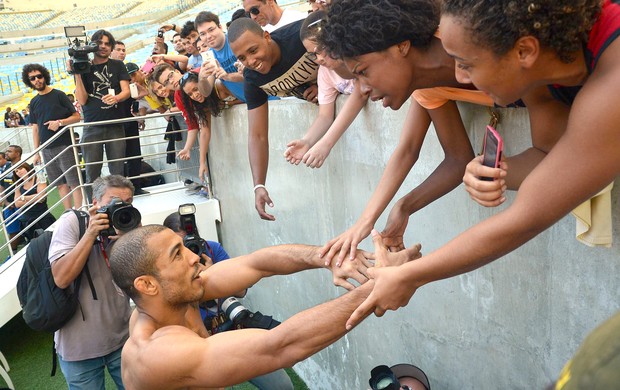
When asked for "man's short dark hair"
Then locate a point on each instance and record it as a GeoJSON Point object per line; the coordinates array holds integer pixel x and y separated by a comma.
{"type": "Point", "coordinates": [241, 25]}
{"type": "Point", "coordinates": [17, 148]}
{"type": "Point", "coordinates": [159, 69]}
{"type": "Point", "coordinates": [356, 27]}
{"type": "Point", "coordinates": [240, 13]}
{"type": "Point", "coordinates": [131, 258]}
{"type": "Point", "coordinates": [187, 29]}
{"type": "Point", "coordinates": [2, 155]}
{"type": "Point", "coordinates": [206, 17]}
{"type": "Point", "coordinates": [119, 43]}
{"type": "Point", "coordinates": [29, 68]}
{"type": "Point", "coordinates": [100, 34]}
{"type": "Point", "coordinates": [176, 34]}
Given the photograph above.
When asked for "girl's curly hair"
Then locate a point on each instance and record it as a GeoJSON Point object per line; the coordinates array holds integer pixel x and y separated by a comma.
{"type": "Point", "coordinates": [561, 25]}
{"type": "Point", "coordinates": [356, 27]}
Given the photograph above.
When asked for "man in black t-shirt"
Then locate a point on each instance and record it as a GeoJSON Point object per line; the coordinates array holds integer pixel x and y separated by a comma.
{"type": "Point", "coordinates": [50, 111]}
{"type": "Point", "coordinates": [99, 92]}
{"type": "Point", "coordinates": [276, 64]}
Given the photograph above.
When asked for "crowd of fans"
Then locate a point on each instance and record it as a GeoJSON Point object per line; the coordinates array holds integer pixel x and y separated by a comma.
{"type": "Point", "coordinates": [386, 50]}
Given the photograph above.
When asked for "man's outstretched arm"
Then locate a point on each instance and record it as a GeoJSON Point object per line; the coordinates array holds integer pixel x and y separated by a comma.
{"type": "Point", "coordinates": [175, 357]}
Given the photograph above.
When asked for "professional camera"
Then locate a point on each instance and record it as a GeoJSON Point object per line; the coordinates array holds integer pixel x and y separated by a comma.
{"type": "Point", "coordinates": [192, 240]}
{"type": "Point", "coordinates": [242, 318]}
{"type": "Point", "coordinates": [383, 378]}
{"type": "Point", "coordinates": [79, 50]}
{"type": "Point", "coordinates": [122, 215]}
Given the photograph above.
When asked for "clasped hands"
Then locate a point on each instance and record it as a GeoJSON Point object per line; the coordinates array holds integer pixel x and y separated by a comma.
{"type": "Point", "coordinates": [361, 267]}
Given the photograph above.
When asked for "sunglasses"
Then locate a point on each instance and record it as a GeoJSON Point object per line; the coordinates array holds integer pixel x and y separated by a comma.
{"type": "Point", "coordinates": [37, 76]}
{"type": "Point", "coordinates": [184, 79]}
{"type": "Point", "coordinates": [254, 11]}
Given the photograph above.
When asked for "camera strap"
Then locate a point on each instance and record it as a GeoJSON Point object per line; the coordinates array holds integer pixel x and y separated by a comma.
{"type": "Point", "coordinates": [105, 254]}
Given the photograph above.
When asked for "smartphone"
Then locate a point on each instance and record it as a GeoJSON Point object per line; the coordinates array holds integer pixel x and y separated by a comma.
{"type": "Point", "coordinates": [492, 150]}
{"type": "Point", "coordinates": [207, 56]}
{"type": "Point", "coordinates": [133, 89]}
{"type": "Point", "coordinates": [148, 66]}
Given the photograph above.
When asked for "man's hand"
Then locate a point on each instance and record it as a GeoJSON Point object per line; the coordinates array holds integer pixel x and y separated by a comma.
{"type": "Point", "coordinates": [296, 150]}
{"type": "Point", "coordinates": [261, 197]}
{"type": "Point", "coordinates": [391, 289]}
{"type": "Point", "coordinates": [52, 125]}
{"type": "Point", "coordinates": [486, 193]}
{"type": "Point", "coordinates": [240, 67]}
{"type": "Point", "coordinates": [311, 94]}
{"type": "Point", "coordinates": [97, 223]}
{"type": "Point", "coordinates": [109, 99]}
{"type": "Point", "coordinates": [35, 160]}
{"type": "Point", "coordinates": [354, 269]}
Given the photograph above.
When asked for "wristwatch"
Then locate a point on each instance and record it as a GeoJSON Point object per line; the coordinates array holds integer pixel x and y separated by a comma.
{"type": "Point", "coordinates": [59, 123]}
{"type": "Point", "coordinates": [22, 198]}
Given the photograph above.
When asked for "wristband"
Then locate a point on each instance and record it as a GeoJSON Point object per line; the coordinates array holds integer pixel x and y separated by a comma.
{"type": "Point", "coordinates": [259, 186]}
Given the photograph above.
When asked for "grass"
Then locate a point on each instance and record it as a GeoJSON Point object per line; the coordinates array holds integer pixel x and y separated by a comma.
{"type": "Point", "coordinates": [52, 198]}
{"type": "Point", "coordinates": [29, 353]}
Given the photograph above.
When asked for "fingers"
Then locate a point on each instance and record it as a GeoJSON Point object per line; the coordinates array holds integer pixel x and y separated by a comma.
{"type": "Point", "coordinates": [340, 282]}
{"type": "Point", "coordinates": [262, 198]}
{"type": "Point", "coordinates": [414, 253]}
{"type": "Point", "coordinates": [361, 312]}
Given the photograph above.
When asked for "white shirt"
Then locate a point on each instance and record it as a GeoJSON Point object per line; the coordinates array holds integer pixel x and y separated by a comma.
{"type": "Point", "coordinates": [288, 16]}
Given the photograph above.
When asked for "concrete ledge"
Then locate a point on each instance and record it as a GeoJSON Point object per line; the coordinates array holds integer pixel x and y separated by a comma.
{"type": "Point", "coordinates": [510, 325]}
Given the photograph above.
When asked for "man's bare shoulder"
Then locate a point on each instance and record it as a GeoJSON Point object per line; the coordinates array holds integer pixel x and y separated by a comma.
{"type": "Point", "coordinates": [151, 362]}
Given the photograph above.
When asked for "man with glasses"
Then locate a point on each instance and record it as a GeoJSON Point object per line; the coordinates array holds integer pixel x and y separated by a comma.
{"type": "Point", "coordinates": [210, 31]}
{"type": "Point", "coordinates": [99, 92]}
{"type": "Point", "coordinates": [50, 111]}
{"type": "Point", "coordinates": [270, 15]}
{"type": "Point", "coordinates": [278, 65]}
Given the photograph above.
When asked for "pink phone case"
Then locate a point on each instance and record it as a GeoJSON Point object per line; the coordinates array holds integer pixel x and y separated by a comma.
{"type": "Point", "coordinates": [148, 67]}
{"type": "Point", "coordinates": [491, 135]}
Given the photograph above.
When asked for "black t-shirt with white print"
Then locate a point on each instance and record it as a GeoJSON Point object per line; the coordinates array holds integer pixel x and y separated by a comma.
{"type": "Point", "coordinates": [101, 78]}
{"type": "Point", "coordinates": [289, 77]}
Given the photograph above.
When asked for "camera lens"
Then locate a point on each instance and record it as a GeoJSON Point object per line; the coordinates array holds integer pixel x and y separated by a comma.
{"type": "Point", "coordinates": [126, 218]}
{"type": "Point", "coordinates": [234, 309]}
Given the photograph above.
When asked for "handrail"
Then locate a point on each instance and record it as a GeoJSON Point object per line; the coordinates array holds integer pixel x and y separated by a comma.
{"type": "Point", "coordinates": [78, 165]}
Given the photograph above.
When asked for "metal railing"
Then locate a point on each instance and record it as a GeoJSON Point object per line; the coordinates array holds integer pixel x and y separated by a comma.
{"type": "Point", "coordinates": [152, 130]}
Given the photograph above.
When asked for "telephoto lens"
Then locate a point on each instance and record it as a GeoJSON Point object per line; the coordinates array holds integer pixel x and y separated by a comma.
{"type": "Point", "coordinates": [235, 310]}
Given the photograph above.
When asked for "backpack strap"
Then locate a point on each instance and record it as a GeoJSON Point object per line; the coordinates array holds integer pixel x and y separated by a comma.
{"type": "Point", "coordinates": [83, 221]}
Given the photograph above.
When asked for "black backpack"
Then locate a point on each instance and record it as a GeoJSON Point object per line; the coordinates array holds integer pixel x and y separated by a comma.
{"type": "Point", "coordinates": [45, 306]}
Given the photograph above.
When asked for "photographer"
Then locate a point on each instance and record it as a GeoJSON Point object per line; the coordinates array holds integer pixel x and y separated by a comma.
{"type": "Point", "coordinates": [99, 91]}
{"type": "Point", "coordinates": [214, 312]}
{"type": "Point", "coordinates": [94, 337]}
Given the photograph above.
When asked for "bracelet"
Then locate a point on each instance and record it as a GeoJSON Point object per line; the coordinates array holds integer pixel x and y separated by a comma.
{"type": "Point", "coordinates": [259, 186]}
{"type": "Point", "coordinates": [174, 27]}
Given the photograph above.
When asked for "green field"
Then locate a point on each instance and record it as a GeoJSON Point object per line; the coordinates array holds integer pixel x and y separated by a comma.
{"type": "Point", "coordinates": [29, 353]}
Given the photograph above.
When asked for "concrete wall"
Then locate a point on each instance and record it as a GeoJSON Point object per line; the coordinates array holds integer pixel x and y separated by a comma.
{"type": "Point", "coordinates": [510, 325]}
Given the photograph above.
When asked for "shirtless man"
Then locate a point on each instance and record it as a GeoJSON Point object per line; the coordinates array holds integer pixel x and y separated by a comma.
{"type": "Point", "coordinates": [168, 347]}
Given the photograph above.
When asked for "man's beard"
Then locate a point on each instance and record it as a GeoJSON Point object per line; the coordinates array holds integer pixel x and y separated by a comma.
{"type": "Point", "coordinates": [41, 88]}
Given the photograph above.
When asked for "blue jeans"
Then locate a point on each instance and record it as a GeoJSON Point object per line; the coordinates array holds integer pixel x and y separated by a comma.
{"type": "Point", "coordinates": [89, 374]}
{"type": "Point", "coordinates": [277, 380]}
